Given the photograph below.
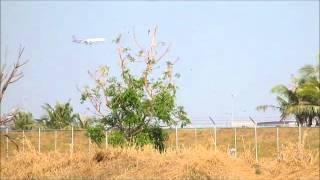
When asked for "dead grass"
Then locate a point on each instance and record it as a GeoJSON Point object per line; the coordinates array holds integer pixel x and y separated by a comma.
{"type": "Point", "coordinates": [127, 163]}
{"type": "Point", "coordinates": [186, 163]}
{"type": "Point", "coordinates": [196, 158]}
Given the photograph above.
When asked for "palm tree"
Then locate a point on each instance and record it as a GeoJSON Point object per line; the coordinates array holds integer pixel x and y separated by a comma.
{"type": "Point", "coordinates": [303, 100]}
{"type": "Point", "coordinates": [23, 121]}
{"type": "Point", "coordinates": [285, 98]}
{"type": "Point", "coordinates": [60, 116]}
{"type": "Point", "coordinates": [308, 92]}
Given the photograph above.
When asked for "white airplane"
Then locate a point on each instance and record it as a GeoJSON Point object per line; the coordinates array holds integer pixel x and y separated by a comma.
{"type": "Point", "coordinates": [88, 41]}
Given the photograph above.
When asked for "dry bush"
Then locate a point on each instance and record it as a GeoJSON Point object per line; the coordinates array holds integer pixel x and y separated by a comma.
{"type": "Point", "coordinates": [294, 162]}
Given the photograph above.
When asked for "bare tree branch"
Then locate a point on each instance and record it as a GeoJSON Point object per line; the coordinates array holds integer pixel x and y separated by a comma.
{"type": "Point", "coordinates": [164, 53]}
{"type": "Point", "coordinates": [136, 41]}
{"type": "Point", "coordinates": [8, 77]}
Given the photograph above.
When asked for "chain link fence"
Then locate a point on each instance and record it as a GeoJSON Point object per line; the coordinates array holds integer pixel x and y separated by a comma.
{"type": "Point", "coordinates": [262, 142]}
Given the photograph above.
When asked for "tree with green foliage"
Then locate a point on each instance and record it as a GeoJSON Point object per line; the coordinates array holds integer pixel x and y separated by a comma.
{"type": "Point", "coordinates": [96, 133]}
{"type": "Point", "coordinates": [302, 99]}
{"type": "Point", "coordinates": [308, 93]}
{"type": "Point", "coordinates": [136, 105]}
{"type": "Point", "coordinates": [23, 121]}
{"type": "Point", "coordinates": [60, 116]}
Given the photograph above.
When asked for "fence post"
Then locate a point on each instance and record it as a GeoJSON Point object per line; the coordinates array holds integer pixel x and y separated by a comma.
{"type": "Point", "coordinates": [7, 144]}
{"type": "Point", "coordinates": [299, 127]}
{"type": "Point", "coordinates": [89, 144]}
{"type": "Point", "coordinates": [278, 152]}
{"type": "Point", "coordinates": [71, 139]}
{"type": "Point", "coordinates": [256, 141]}
{"type": "Point", "coordinates": [23, 140]}
{"type": "Point", "coordinates": [55, 141]}
{"type": "Point", "coordinates": [177, 137]}
{"type": "Point", "coordinates": [39, 141]}
{"type": "Point", "coordinates": [215, 133]}
{"type": "Point", "coordinates": [235, 141]}
{"type": "Point", "coordinates": [195, 135]}
{"type": "Point", "coordinates": [255, 137]}
{"type": "Point", "coordinates": [106, 139]}
{"type": "Point", "coordinates": [215, 138]}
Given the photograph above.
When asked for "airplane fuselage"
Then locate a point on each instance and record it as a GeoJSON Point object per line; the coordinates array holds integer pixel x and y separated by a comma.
{"type": "Point", "coordinates": [93, 40]}
{"type": "Point", "coordinates": [88, 41]}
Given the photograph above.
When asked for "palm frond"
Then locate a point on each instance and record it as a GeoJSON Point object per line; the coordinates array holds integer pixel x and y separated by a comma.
{"type": "Point", "coordinates": [307, 109]}
{"type": "Point", "coordinates": [307, 70]}
{"type": "Point", "coordinates": [280, 89]}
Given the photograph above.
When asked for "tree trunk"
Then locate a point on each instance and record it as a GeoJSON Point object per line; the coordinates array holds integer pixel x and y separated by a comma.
{"type": "Point", "coordinates": [317, 121]}
{"type": "Point", "coordinates": [310, 121]}
{"type": "Point", "coordinates": [300, 120]}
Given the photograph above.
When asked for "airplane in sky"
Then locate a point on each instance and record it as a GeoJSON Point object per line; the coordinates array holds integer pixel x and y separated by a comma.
{"type": "Point", "coordinates": [88, 41]}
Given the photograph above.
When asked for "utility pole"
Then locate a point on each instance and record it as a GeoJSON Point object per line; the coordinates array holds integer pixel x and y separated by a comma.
{"type": "Point", "coordinates": [232, 110]}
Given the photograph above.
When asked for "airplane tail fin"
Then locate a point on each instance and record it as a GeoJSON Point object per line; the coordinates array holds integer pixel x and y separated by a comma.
{"type": "Point", "coordinates": [75, 40]}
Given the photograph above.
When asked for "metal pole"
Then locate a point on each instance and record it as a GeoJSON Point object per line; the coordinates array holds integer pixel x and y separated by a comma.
{"type": "Point", "coordinates": [23, 140]}
{"type": "Point", "coordinates": [72, 139]}
{"type": "Point", "coordinates": [215, 133]}
{"type": "Point", "coordinates": [278, 152]}
{"type": "Point", "coordinates": [106, 139]}
{"type": "Point", "coordinates": [89, 145]}
{"type": "Point", "coordinates": [299, 135]}
{"type": "Point", "coordinates": [176, 137]}
{"type": "Point", "coordinates": [55, 141]}
{"type": "Point", "coordinates": [215, 138]}
{"type": "Point", "coordinates": [256, 141]}
{"type": "Point", "coordinates": [255, 137]}
{"type": "Point", "coordinates": [195, 135]}
{"type": "Point", "coordinates": [235, 141]}
{"type": "Point", "coordinates": [39, 141]}
{"type": "Point", "coordinates": [7, 144]}
{"type": "Point", "coordinates": [232, 115]}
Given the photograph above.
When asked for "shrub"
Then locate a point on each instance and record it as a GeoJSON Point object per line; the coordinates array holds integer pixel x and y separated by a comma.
{"type": "Point", "coordinates": [96, 134]}
{"type": "Point", "coordinates": [116, 139]}
{"type": "Point", "coordinates": [142, 139]}
{"type": "Point", "coordinates": [159, 137]}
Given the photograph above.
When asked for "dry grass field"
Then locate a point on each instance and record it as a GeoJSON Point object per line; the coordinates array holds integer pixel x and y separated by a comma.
{"type": "Point", "coordinates": [195, 158]}
{"type": "Point", "coordinates": [186, 163]}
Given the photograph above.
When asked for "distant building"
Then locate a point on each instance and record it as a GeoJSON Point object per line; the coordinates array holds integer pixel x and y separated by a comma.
{"type": "Point", "coordinates": [277, 124]}
{"type": "Point", "coordinates": [244, 123]}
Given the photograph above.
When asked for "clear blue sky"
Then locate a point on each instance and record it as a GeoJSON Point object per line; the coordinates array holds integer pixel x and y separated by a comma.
{"type": "Point", "coordinates": [241, 47]}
